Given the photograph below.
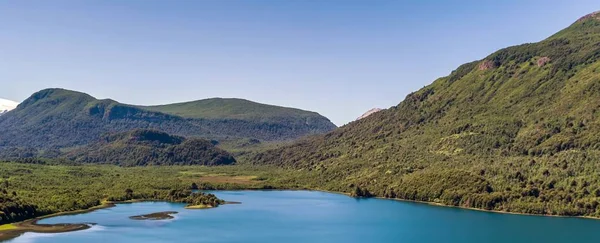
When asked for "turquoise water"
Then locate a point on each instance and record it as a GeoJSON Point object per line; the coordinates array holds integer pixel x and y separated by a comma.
{"type": "Point", "coordinates": [315, 217]}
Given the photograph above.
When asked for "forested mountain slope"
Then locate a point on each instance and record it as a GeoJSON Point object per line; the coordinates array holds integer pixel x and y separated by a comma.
{"type": "Point", "coordinates": [61, 118]}
{"type": "Point", "coordinates": [240, 109]}
{"type": "Point", "coordinates": [516, 131]}
{"type": "Point", "coordinates": [149, 147]}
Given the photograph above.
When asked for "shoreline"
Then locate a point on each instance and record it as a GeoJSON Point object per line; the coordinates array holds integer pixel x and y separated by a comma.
{"type": "Point", "coordinates": [489, 211]}
{"type": "Point", "coordinates": [464, 208]}
{"type": "Point", "coordinates": [424, 202]}
{"type": "Point", "coordinates": [16, 229]}
{"type": "Point", "coordinates": [31, 225]}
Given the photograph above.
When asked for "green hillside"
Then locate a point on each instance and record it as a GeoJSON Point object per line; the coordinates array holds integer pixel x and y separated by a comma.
{"type": "Point", "coordinates": [58, 118]}
{"type": "Point", "coordinates": [149, 147]}
{"type": "Point", "coordinates": [220, 108]}
{"type": "Point", "coordinates": [516, 131]}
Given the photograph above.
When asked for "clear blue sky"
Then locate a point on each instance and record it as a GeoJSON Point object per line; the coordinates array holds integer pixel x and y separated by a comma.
{"type": "Point", "coordinates": [339, 58]}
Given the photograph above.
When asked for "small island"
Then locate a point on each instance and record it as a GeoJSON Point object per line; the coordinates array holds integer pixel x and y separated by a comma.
{"type": "Point", "coordinates": [200, 200]}
{"type": "Point", "coordinates": [206, 206]}
{"type": "Point", "coordinates": [155, 216]}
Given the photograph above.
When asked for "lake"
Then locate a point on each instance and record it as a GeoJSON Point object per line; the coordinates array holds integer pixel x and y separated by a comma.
{"type": "Point", "coordinates": [315, 217]}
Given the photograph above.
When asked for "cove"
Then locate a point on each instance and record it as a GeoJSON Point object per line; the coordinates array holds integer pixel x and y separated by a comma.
{"type": "Point", "coordinates": [314, 217]}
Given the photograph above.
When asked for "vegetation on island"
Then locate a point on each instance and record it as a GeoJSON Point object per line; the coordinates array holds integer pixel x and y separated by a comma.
{"type": "Point", "coordinates": [516, 132]}
{"type": "Point", "coordinates": [155, 216]}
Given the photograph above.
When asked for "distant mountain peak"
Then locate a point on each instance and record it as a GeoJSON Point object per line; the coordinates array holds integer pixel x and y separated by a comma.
{"type": "Point", "coordinates": [7, 105]}
{"type": "Point", "coordinates": [369, 112]}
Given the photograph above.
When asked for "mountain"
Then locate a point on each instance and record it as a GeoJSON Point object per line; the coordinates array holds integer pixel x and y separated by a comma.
{"type": "Point", "coordinates": [63, 118]}
{"type": "Point", "coordinates": [7, 105]}
{"type": "Point", "coordinates": [150, 147]}
{"type": "Point", "coordinates": [368, 113]}
{"type": "Point", "coordinates": [240, 109]}
{"type": "Point", "coordinates": [517, 131]}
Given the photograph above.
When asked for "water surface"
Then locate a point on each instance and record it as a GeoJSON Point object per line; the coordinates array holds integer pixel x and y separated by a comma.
{"type": "Point", "coordinates": [315, 217]}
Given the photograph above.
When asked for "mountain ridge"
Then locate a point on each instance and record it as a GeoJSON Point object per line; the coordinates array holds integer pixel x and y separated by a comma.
{"type": "Point", "coordinates": [63, 118]}
{"type": "Point", "coordinates": [233, 108]}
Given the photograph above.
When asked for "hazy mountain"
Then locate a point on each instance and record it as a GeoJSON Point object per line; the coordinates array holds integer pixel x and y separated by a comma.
{"type": "Point", "coordinates": [63, 118]}
{"type": "Point", "coordinates": [515, 131]}
{"type": "Point", "coordinates": [240, 109]}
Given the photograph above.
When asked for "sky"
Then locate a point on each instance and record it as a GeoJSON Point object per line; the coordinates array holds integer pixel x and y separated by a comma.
{"type": "Point", "coordinates": [336, 57]}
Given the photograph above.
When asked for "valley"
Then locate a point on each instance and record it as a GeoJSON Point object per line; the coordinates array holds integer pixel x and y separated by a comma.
{"type": "Point", "coordinates": [514, 132]}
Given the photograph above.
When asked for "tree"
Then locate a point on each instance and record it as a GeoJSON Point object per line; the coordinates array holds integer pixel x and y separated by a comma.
{"type": "Point", "coordinates": [128, 194]}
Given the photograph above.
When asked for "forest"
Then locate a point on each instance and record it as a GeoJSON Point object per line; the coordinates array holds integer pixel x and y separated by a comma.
{"type": "Point", "coordinates": [32, 190]}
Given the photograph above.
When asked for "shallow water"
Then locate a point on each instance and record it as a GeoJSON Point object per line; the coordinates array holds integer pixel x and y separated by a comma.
{"type": "Point", "coordinates": [315, 217]}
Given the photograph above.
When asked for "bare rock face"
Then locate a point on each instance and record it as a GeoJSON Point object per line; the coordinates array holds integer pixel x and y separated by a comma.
{"type": "Point", "coordinates": [368, 113]}
{"type": "Point", "coordinates": [543, 61]}
{"type": "Point", "coordinates": [594, 15]}
{"type": "Point", "coordinates": [485, 65]}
